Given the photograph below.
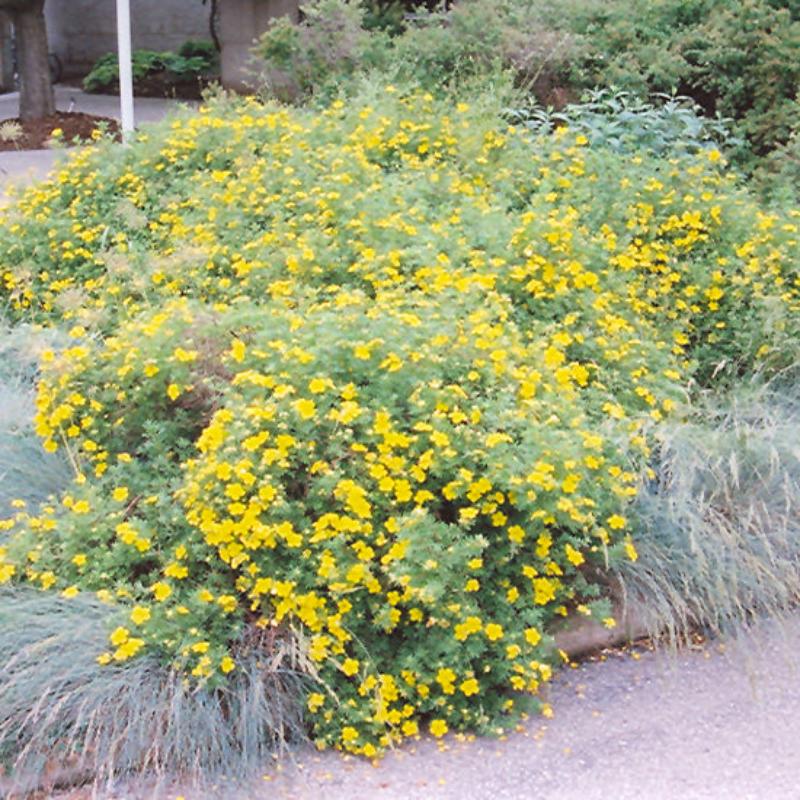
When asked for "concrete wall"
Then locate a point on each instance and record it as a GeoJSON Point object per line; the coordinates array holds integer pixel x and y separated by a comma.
{"type": "Point", "coordinates": [241, 22]}
{"type": "Point", "coordinates": [6, 70]}
{"type": "Point", "coordinates": [80, 31]}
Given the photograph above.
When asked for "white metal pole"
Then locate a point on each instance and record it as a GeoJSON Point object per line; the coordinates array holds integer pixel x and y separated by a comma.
{"type": "Point", "coordinates": [125, 69]}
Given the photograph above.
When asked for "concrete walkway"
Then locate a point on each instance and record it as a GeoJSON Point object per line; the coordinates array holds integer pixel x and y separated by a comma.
{"type": "Point", "coordinates": [706, 725]}
{"type": "Point", "coordinates": [25, 166]}
{"type": "Point", "coordinates": [710, 723]}
{"type": "Point", "coordinates": [70, 98]}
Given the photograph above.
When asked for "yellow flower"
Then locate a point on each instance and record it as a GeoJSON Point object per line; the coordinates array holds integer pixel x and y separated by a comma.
{"type": "Point", "coordinates": [574, 556]}
{"type": "Point", "coordinates": [544, 590]}
{"type": "Point", "coordinates": [630, 551]}
{"type": "Point", "coordinates": [317, 385]}
{"type": "Point", "coordinates": [493, 631]}
{"type": "Point", "coordinates": [469, 687]}
{"type": "Point", "coordinates": [350, 667]}
{"type": "Point", "coordinates": [532, 636]}
{"type": "Point", "coordinates": [119, 636]}
{"type": "Point", "coordinates": [70, 591]}
{"type": "Point", "coordinates": [438, 727]}
{"type": "Point", "coordinates": [553, 357]}
{"type": "Point", "coordinates": [161, 591]}
{"type": "Point", "coordinates": [47, 579]}
{"type": "Point", "coordinates": [467, 628]}
{"type": "Point", "coordinates": [79, 560]}
{"type": "Point", "coordinates": [120, 494]}
{"type": "Point", "coordinates": [315, 701]}
{"type": "Point", "coordinates": [445, 677]}
{"type": "Point", "coordinates": [238, 350]}
{"type": "Point", "coordinates": [129, 649]}
{"type": "Point", "coordinates": [349, 734]}
{"type": "Point", "coordinates": [173, 391]}
{"type": "Point", "coordinates": [306, 409]}
{"type": "Point", "coordinates": [227, 664]}
{"type": "Point", "coordinates": [177, 571]}
{"type": "Point", "coordinates": [140, 615]}
{"type": "Point", "coordinates": [516, 534]}
{"type": "Point", "coordinates": [185, 356]}
{"type": "Point", "coordinates": [616, 522]}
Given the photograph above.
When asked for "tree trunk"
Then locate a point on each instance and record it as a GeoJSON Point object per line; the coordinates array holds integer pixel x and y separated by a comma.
{"type": "Point", "coordinates": [213, 22]}
{"type": "Point", "coordinates": [36, 88]}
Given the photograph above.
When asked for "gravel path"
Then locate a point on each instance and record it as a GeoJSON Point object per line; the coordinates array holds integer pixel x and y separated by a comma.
{"type": "Point", "coordinates": [710, 723]}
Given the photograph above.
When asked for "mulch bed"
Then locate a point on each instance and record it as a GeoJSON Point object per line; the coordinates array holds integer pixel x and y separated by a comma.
{"type": "Point", "coordinates": [164, 84]}
{"type": "Point", "coordinates": [38, 133]}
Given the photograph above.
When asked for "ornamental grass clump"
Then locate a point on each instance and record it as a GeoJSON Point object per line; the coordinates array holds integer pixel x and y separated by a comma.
{"type": "Point", "coordinates": [378, 381]}
{"type": "Point", "coordinates": [66, 719]}
{"type": "Point", "coordinates": [28, 474]}
{"type": "Point", "coordinates": [718, 527]}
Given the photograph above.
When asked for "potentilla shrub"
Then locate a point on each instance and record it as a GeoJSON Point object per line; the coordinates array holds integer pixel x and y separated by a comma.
{"type": "Point", "coordinates": [376, 379]}
{"type": "Point", "coordinates": [393, 475]}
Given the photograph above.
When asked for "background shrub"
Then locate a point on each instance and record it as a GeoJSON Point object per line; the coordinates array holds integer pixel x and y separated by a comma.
{"type": "Point", "coordinates": [736, 59]}
{"type": "Point", "coordinates": [434, 49]}
{"type": "Point", "coordinates": [193, 61]}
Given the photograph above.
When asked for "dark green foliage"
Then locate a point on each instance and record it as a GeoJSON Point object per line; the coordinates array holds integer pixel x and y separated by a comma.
{"type": "Point", "coordinates": [192, 61]}
{"type": "Point", "coordinates": [203, 48]}
{"type": "Point", "coordinates": [738, 58]}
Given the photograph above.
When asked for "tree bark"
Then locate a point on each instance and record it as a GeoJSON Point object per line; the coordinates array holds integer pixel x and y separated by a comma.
{"type": "Point", "coordinates": [36, 88]}
{"type": "Point", "coordinates": [213, 19]}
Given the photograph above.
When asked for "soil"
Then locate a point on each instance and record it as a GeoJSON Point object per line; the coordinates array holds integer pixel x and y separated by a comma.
{"type": "Point", "coordinates": [38, 133]}
{"type": "Point", "coordinates": [164, 84]}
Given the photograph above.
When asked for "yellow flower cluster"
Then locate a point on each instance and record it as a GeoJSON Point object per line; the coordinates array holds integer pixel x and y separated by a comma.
{"type": "Point", "coordinates": [378, 378]}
